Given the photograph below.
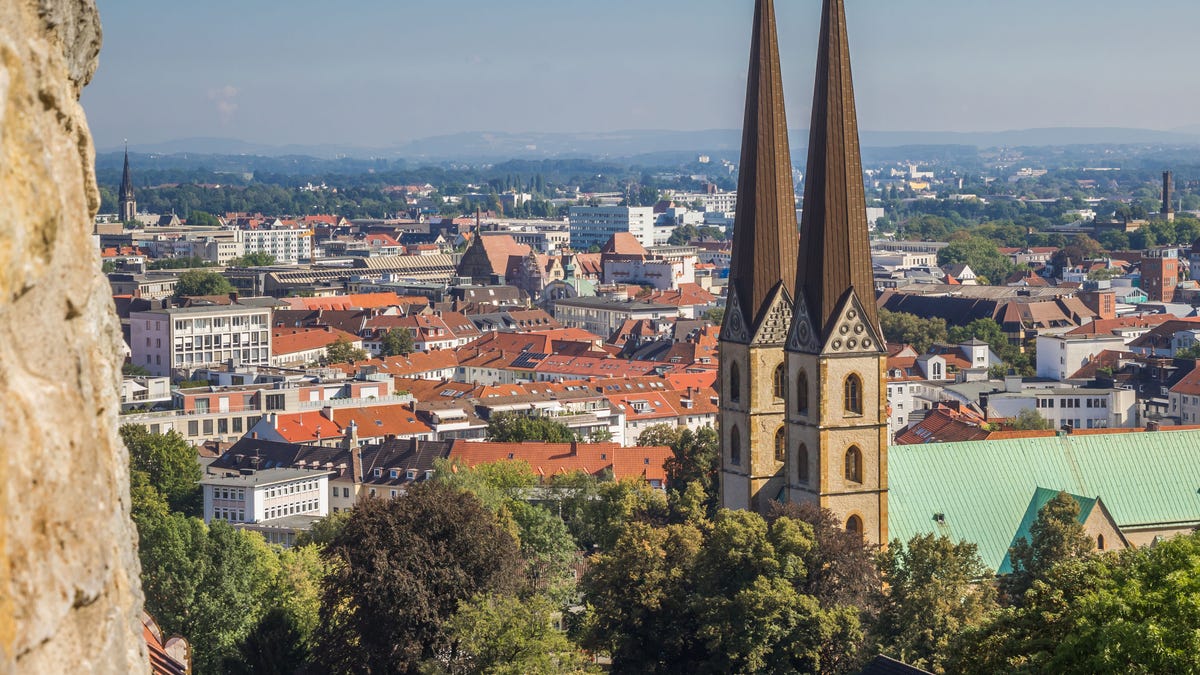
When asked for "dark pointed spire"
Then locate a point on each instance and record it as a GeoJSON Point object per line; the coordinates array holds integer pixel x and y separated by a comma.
{"type": "Point", "coordinates": [126, 191]}
{"type": "Point", "coordinates": [835, 250]}
{"type": "Point", "coordinates": [765, 232]}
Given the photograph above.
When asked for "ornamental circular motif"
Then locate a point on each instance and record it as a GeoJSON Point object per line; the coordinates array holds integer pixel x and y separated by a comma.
{"type": "Point", "coordinates": [837, 344]}
{"type": "Point", "coordinates": [844, 329]}
{"type": "Point", "coordinates": [852, 343]}
{"type": "Point", "coordinates": [866, 343]}
{"type": "Point", "coordinates": [853, 314]}
{"type": "Point", "coordinates": [858, 330]}
{"type": "Point", "coordinates": [804, 331]}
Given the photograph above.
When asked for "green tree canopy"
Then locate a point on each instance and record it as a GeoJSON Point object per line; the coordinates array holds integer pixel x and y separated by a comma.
{"type": "Point", "coordinates": [910, 329]}
{"type": "Point", "coordinates": [726, 598]}
{"type": "Point", "coordinates": [1030, 419]}
{"type": "Point", "coordinates": [503, 635]}
{"type": "Point", "coordinates": [200, 282]}
{"type": "Point", "coordinates": [169, 464]}
{"type": "Point", "coordinates": [203, 218]}
{"type": "Point", "coordinates": [344, 351]}
{"type": "Point", "coordinates": [255, 259]}
{"type": "Point", "coordinates": [400, 569]}
{"type": "Point", "coordinates": [516, 428]}
{"type": "Point", "coordinates": [1055, 536]}
{"type": "Point", "coordinates": [398, 342]}
{"type": "Point", "coordinates": [935, 589]}
{"type": "Point", "coordinates": [981, 254]}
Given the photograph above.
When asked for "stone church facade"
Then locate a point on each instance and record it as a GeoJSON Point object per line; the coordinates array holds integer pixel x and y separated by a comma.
{"type": "Point", "coordinates": [803, 392]}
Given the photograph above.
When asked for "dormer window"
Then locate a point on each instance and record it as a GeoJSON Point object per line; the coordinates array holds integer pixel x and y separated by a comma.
{"type": "Point", "coordinates": [378, 472]}
{"type": "Point", "coordinates": [394, 474]}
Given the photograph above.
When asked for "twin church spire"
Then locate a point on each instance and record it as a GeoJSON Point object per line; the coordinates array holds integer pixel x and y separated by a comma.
{"type": "Point", "coordinates": [830, 252]}
{"type": "Point", "coordinates": [803, 395]}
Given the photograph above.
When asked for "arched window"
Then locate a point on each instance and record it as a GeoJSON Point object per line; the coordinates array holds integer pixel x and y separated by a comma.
{"type": "Point", "coordinates": [854, 464]}
{"type": "Point", "coordinates": [1100, 542]}
{"type": "Point", "coordinates": [735, 447]}
{"type": "Point", "coordinates": [780, 445]}
{"type": "Point", "coordinates": [780, 383]}
{"type": "Point", "coordinates": [802, 463]}
{"type": "Point", "coordinates": [855, 526]}
{"type": "Point", "coordinates": [854, 395]}
{"type": "Point", "coordinates": [735, 383]}
{"type": "Point", "coordinates": [802, 392]}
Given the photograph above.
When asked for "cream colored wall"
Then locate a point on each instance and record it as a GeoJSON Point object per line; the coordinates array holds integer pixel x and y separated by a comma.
{"type": "Point", "coordinates": [757, 414]}
{"type": "Point", "coordinates": [829, 432]}
{"type": "Point", "coordinates": [1146, 537]}
{"type": "Point", "coordinates": [1099, 524]}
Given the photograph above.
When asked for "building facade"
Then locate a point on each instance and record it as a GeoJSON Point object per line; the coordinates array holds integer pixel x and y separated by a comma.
{"type": "Point", "coordinates": [186, 338]}
{"type": "Point", "coordinates": [595, 225]}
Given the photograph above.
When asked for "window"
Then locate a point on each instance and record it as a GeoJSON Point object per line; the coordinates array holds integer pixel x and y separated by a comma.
{"type": "Point", "coordinates": [802, 392]}
{"type": "Point", "coordinates": [735, 447]}
{"type": "Point", "coordinates": [1100, 542]}
{"type": "Point", "coordinates": [853, 395]}
{"type": "Point", "coordinates": [780, 445]}
{"type": "Point", "coordinates": [854, 464]}
{"type": "Point", "coordinates": [780, 383]}
{"type": "Point", "coordinates": [802, 463]}
{"type": "Point", "coordinates": [855, 525]}
{"type": "Point", "coordinates": [735, 383]}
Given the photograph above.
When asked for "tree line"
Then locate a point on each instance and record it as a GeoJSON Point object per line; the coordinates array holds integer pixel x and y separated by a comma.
{"type": "Point", "coordinates": [477, 571]}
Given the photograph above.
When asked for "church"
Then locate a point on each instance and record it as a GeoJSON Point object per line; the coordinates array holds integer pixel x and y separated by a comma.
{"type": "Point", "coordinates": [803, 395]}
{"type": "Point", "coordinates": [803, 398]}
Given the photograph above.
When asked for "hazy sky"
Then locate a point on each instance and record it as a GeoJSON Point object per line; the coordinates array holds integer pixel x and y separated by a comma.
{"type": "Point", "coordinates": [377, 72]}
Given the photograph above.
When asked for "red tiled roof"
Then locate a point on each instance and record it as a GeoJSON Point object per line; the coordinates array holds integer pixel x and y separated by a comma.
{"type": "Point", "coordinates": [356, 301]}
{"type": "Point", "coordinates": [549, 459]}
{"type": "Point", "coordinates": [623, 243]}
{"type": "Point", "coordinates": [293, 340]}
{"type": "Point", "coordinates": [1107, 326]}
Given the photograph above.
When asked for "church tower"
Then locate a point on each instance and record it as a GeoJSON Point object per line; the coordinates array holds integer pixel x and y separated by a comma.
{"type": "Point", "coordinates": [128, 205]}
{"type": "Point", "coordinates": [836, 359]}
{"type": "Point", "coordinates": [759, 297]}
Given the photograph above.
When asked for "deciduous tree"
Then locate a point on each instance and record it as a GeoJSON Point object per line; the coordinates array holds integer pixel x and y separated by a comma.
{"type": "Point", "coordinates": [400, 569]}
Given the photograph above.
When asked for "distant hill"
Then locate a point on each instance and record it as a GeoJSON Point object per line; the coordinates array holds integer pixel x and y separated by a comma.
{"type": "Point", "coordinates": [633, 143]}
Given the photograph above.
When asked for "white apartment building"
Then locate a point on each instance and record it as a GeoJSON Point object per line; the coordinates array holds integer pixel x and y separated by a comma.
{"type": "Point", "coordinates": [595, 225]}
{"type": "Point", "coordinates": [277, 502]}
{"type": "Point", "coordinates": [187, 338]}
{"type": "Point", "coordinates": [601, 316]}
{"type": "Point", "coordinates": [1061, 356]}
{"type": "Point", "coordinates": [1077, 408]}
{"type": "Point", "coordinates": [288, 245]}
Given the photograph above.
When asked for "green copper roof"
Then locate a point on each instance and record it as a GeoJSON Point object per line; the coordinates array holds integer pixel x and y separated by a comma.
{"type": "Point", "coordinates": [1041, 497]}
{"type": "Point", "coordinates": [979, 491]}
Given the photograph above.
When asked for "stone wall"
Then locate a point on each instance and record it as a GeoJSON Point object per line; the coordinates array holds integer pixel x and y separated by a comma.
{"type": "Point", "coordinates": [69, 595]}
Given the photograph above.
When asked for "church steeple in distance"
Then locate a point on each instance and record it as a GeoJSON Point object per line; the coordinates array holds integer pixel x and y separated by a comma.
{"type": "Point", "coordinates": [765, 235]}
{"type": "Point", "coordinates": [835, 249]}
{"type": "Point", "coordinates": [128, 203]}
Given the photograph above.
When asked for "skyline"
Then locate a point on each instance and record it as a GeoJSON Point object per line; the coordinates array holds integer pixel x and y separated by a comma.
{"type": "Point", "coordinates": [267, 78]}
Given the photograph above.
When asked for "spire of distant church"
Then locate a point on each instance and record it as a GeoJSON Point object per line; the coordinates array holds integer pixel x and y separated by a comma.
{"type": "Point", "coordinates": [765, 233]}
{"type": "Point", "coordinates": [835, 251]}
{"type": "Point", "coordinates": [127, 202]}
{"type": "Point", "coordinates": [126, 191]}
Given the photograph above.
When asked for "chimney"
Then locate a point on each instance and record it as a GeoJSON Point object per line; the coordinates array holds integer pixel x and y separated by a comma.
{"type": "Point", "coordinates": [1168, 209]}
{"type": "Point", "coordinates": [1152, 425]}
{"type": "Point", "coordinates": [327, 412]}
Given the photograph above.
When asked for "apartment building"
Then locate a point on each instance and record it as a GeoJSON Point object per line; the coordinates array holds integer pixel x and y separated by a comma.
{"type": "Point", "coordinates": [182, 339]}
{"type": "Point", "coordinates": [595, 225]}
{"type": "Point", "coordinates": [288, 245]}
{"type": "Point", "coordinates": [601, 316]}
{"type": "Point", "coordinates": [277, 502]}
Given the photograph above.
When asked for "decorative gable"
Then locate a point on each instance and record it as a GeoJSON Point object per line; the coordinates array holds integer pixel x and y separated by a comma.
{"type": "Point", "coordinates": [851, 333]}
{"type": "Point", "coordinates": [773, 328]}
{"type": "Point", "coordinates": [802, 337]}
{"type": "Point", "coordinates": [734, 329]}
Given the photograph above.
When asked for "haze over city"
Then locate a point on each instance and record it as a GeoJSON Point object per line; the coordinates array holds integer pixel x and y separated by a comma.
{"type": "Point", "coordinates": [375, 73]}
